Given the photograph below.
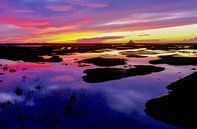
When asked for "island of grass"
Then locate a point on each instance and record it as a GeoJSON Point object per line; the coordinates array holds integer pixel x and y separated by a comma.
{"type": "Point", "coordinates": [106, 74]}
{"type": "Point", "coordinates": [130, 54]}
{"type": "Point", "coordinates": [100, 61]}
{"type": "Point", "coordinates": [179, 106]}
{"type": "Point", "coordinates": [34, 52]}
{"type": "Point", "coordinates": [175, 60]}
{"type": "Point", "coordinates": [135, 56]}
{"type": "Point", "coordinates": [53, 59]}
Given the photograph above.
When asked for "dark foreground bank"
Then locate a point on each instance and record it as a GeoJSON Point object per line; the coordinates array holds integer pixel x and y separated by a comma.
{"type": "Point", "coordinates": [179, 106]}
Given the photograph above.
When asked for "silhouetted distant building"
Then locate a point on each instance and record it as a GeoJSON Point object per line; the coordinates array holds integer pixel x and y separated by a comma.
{"type": "Point", "coordinates": [131, 43]}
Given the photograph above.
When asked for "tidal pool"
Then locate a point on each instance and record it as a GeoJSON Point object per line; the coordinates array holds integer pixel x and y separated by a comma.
{"type": "Point", "coordinates": [53, 95]}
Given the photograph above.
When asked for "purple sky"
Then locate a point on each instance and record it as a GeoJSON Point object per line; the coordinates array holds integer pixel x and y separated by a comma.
{"type": "Point", "coordinates": [48, 20]}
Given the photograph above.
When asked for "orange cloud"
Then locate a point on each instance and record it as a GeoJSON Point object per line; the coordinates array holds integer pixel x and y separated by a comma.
{"type": "Point", "coordinates": [148, 41]}
{"type": "Point", "coordinates": [97, 40]}
{"type": "Point", "coordinates": [193, 40]}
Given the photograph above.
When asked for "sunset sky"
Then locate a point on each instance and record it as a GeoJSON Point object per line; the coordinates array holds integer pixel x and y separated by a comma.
{"type": "Point", "coordinates": [98, 21]}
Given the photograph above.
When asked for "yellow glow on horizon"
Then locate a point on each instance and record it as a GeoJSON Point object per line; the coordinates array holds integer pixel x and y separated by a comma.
{"type": "Point", "coordinates": [72, 37]}
{"type": "Point", "coordinates": [168, 34]}
{"type": "Point", "coordinates": [66, 37]}
{"type": "Point", "coordinates": [160, 35]}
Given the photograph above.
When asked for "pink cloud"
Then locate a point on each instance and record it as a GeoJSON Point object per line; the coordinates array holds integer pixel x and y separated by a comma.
{"type": "Point", "coordinates": [142, 26]}
{"type": "Point", "coordinates": [81, 21]}
{"type": "Point", "coordinates": [11, 39]}
{"type": "Point", "coordinates": [63, 8]}
{"type": "Point", "coordinates": [22, 11]}
{"type": "Point", "coordinates": [24, 22]}
{"type": "Point", "coordinates": [56, 30]}
{"type": "Point", "coordinates": [96, 5]}
{"type": "Point", "coordinates": [69, 26]}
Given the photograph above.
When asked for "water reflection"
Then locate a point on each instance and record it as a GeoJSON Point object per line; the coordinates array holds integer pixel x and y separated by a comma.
{"type": "Point", "coordinates": [55, 93]}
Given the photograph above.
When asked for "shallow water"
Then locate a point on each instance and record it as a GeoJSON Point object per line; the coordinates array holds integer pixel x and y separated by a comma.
{"type": "Point", "coordinates": [117, 104]}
